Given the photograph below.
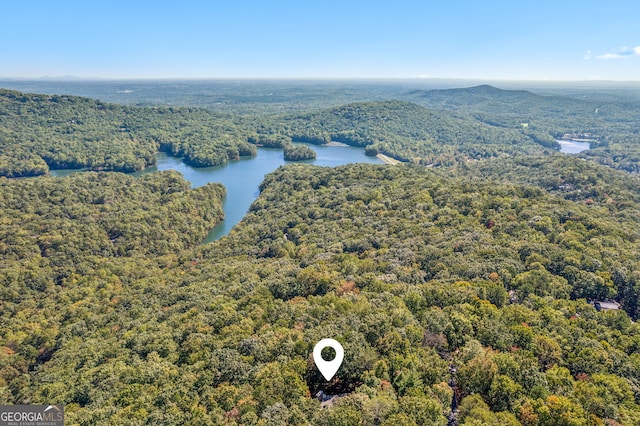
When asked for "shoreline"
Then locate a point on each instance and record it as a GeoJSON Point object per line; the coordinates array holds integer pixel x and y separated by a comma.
{"type": "Point", "coordinates": [388, 160]}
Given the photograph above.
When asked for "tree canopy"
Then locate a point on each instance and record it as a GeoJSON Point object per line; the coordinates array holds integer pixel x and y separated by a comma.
{"type": "Point", "coordinates": [466, 285]}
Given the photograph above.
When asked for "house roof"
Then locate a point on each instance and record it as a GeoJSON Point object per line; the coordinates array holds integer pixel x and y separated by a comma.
{"type": "Point", "coordinates": [606, 305]}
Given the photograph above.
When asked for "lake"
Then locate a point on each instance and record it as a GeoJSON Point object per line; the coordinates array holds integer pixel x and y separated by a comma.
{"type": "Point", "coordinates": [242, 178]}
{"type": "Point", "coordinates": [573, 147]}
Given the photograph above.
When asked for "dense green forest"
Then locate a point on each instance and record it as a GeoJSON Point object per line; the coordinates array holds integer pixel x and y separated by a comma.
{"type": "Point", "coordinates": [38, 132]}
{"type": "Point", "coordinates": [561, 175]}
{"type": "Point", "coordinates": [298, 152]}
{"type": "Point", "coordinates": [244, 97]}
{"type": "Point", "coordinates": [411, 271]}
{"type": "Point", "coordinates": [465, 284]}
{"type": "Point", "coordinates": [451, 126]}
{"type": "Point", "coordinates": [611, 122]}
{"type": "Point", "coordinates": [409, 132]}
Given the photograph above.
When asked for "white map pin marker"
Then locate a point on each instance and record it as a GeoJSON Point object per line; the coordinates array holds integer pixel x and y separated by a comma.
{"type": "Point", "coordinates": [328, 368]}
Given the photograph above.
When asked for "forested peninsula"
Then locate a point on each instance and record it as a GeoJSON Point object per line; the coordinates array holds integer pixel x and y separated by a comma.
{"type": "Point", "coordinates": [42, 132]}
{"type": "Point", "coordinates": [460, 292]}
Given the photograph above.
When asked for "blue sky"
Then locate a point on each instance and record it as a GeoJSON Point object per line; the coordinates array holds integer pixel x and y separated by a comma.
{"type": "Point", "coordinates": [516, 40]}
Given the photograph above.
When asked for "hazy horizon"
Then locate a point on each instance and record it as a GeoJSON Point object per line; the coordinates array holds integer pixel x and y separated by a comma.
{"type": "Point", "coordinates": [72, 78]}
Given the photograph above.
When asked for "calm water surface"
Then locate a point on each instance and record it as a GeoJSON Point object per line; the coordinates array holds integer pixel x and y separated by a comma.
{"type": "Point", "coordinates": [242, 178]}
{"type": "Point", "coordinates": [573, 147]}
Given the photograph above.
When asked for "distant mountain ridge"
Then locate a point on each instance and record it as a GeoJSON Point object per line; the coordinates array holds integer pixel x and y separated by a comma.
{"type": "Point", "coordinates": [490, 99]}
{"type": "Point", "coordinates": [482, 89]}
